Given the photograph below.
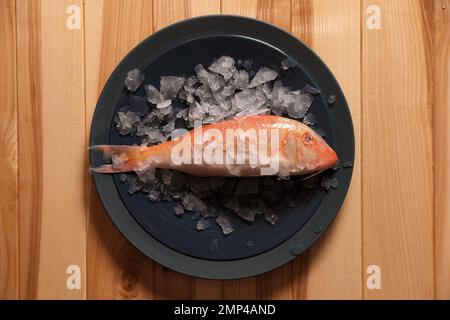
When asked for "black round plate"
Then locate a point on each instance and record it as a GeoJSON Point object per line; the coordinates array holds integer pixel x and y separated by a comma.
{"type": "Point", "coordinates": [174, 242]}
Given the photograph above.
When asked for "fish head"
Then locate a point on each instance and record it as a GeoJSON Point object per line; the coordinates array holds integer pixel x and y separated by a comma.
{"type": "Point", "coordinates": [315, 150]}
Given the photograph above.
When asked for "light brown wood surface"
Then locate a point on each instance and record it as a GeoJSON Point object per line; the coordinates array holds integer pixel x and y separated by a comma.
{"type": "Point", "coordinates": [51, 126]}
{"type": "Point", "coordinates": [397, 151]}
{"type": "Point", "coordinates": [441, 148]}
{"type": "Point", "coordinates": [9, 233]}
{"type": "Point", "coordinates": [397, 211]}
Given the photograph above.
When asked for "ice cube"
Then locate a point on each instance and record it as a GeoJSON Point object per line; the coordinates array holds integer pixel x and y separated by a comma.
{"type": "Point", "coordinates": [154, 195]}
{"type": "Point", "coordinates": [247, 213]}
{"type": "Point", "coordinates": [178, 210]}
{"type": "Point", "coordinates": [247, 186]}
{"type": "Point", "coordinates": [202, 73]}
{"type": "Point", "coordinates": [153, 94]}
{"type": "Point", "coordinates": [331, 99]}
{"type": "Point", "coordinates": [204, 93]}
{"type": "Point", "coordinates": [309, 119]}
{"type": "Point", "coordinates": [244, 100]}
{"type": "Point", "coordinates": [337, 165]}
{"type": "Point", "coordinates": [182, 114]}
{"type": "Point", "coordinates": [310, 89]}
{"type": "Point", "coordinates": [168, 128]}
{"type": "Point", "coordinates": [215, 82]}
{"type": "Point", "coordinates": [262, 76]}
{"type": "Point", "coordinates": [178, 133]}
{"type": "Point", "coordinates": [328, 183]}
{"type": "Point", "coordinates": [277, 98]}
{"type": "Point", "coordinates": [266, 88]}
{"type": "Point", "coordinates": [223, 66]}
{"type": "Point", "coordinates": [192, 203]}
{"type": "Point", "coordinates": [246, 64]}
{"type": "Point", "coordinates": [150, 134]}
{"type": "Point", "coordinates": [202, 224]}
{"type": "Point", "coordinates": [211, 80]}
{"type": "Point", "coordinates": [162, 113]}
{"type": "Point", "coordinates": [299, 104]}
{"type": "Point", "coordinates": [189, 84]}
{"type": "Point", "coordinates": [288, 63]}
{"type": "Point", "coordinates": [196, 113]}
{"type": "Point", "coordinates": [214, 246]}
{"type": "Point", "coordinates": [134, 184]}
{"type": "Point", "coordinates": [241, 80]}
{"type": "Point", "coordinates": [166, 176]}
{"type": "Point", "coordinates": [271, 216]}
{"type": "Point", "coordinates": [134, 79]}
{"type": "Point", "coordinates": [347, 164]}
{"type": "Point", "coordinates": [164, 104]}
{"type": "Point", "coordinates": [199, 185]}
{"type": "Point", "coordinates": [150, 120]}
{"type": "Point", "coordinates": [225, 224]}
{"type": "Point", "coordinates": [232, 204]}
{"type": "Point", "coordinates": [321, 132]}
{"type": "Point", "coordinates": [184, 95]}
{"type": "Point", "coordinates": [222, 96]}
{"type": "Point", "coordinates": [145, 174]}
{"type": "Point", "coordinates": [126, 122]}
{"type": "Point", "coordinates": [171, 85]}
{"type": "Point", "coordinates": [255, 112]}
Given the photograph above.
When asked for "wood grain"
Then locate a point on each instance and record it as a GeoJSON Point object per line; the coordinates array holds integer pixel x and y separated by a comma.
{"type": "Point", "coordinates": [397, 211]}
{"type": "Point", "coordinates": [116, 269]}
{"type": "Point", "coordinates": [332, 29]}
{"type": "Point", "coordinates": [52, 215]}
{"type": "Point", "coordinates": [397, 150]}
{"type": "Point", "coordinates": [30, 142]}
{"type": "Point", "coordinates": [9, 232]}
{"type": "Point", "coordinates": [441, 147]}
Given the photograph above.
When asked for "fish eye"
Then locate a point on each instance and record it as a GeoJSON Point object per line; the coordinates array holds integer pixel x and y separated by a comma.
{"type": "Point", "coordinates": [307, 138]}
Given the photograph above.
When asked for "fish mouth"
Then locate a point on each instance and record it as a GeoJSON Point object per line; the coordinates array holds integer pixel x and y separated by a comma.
{"type": "Point", "coordinates": [327, 159]}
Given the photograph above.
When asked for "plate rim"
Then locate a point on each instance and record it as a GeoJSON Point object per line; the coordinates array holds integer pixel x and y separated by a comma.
{"type": "Point", "coordinates": [221, 269]}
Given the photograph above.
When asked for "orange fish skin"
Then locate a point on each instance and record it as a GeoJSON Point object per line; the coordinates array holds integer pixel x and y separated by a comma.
{"type": "Point", "coordinates": [299, 149]}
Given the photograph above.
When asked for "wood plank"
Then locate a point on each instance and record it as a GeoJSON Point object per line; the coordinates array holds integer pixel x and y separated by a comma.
{"type": "Point", "coordinates": [51, 145]}
{"type": "Point", "coordinates": [441, 148]}
{"type": "Point", "coordinates": [168, 12]}
{"type": "Point", "coordinates": [8, 162]}
{"type": "Point", "coordinates": [397, 146]}
{"type": "Point", "coordinates": [276, 284]}
{"type": "Point", "coordinates": [116, 270]}
{"type": "Point", "coordinates": [333, 267]}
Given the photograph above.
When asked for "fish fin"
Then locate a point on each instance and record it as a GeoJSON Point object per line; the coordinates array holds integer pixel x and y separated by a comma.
{"type": "Point", "coordinates": [312, 174]}
{"type": "Point", "coordinates": [130, 158]}
{"type": "Point", "coordinates": [105, 168]}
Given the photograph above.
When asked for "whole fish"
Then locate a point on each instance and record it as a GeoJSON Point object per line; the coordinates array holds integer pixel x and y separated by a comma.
{"type": "Point", "coordinates": [247, 146]}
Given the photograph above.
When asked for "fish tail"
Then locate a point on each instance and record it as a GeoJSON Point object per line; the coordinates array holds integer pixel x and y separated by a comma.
{"type": "Point", "coordinates": [124, 158]}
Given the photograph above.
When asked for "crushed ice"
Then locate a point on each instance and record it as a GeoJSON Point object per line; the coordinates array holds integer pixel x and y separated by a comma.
{"type": "Point", "coordinates": [224, 89]}
{"type": "Point", "coordinates": [134, 79]}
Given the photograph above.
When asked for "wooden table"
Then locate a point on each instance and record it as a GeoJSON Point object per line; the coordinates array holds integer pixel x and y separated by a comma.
{"type": "Point", "coordinates": [390, 57]}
